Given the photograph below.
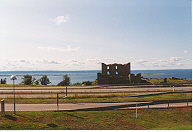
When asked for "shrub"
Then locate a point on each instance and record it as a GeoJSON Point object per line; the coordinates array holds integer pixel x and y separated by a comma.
{"type": "Point", "coordinates": [77, 84]}
{"type": "Point", "coordinates": [27, 79]}
{"type": "Point", "coordinates": [44, 80]}
{"type": "Point", "coordinates": [3, 81]}
{"type": "Point", "coordinates": [65, 81]}
{"type": "Point", "coordinates": [87, 83]}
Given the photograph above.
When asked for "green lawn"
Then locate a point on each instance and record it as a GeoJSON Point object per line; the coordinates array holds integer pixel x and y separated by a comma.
{"type": "Point", "coordinates": [161, 119]}
{"type": "Point", "coordinates": [159, 80]}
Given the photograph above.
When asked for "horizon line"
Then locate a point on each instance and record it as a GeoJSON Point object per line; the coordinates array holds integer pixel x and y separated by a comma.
{"type": "Point", "coordinates": [85, 70]}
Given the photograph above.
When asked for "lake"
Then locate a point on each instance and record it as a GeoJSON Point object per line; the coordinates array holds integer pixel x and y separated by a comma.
{"type": "Point", "coordinates": [91, 75]}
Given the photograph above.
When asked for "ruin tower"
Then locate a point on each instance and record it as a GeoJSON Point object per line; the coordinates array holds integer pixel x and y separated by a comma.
{"type": "Point", "coordinates": [116, 74]}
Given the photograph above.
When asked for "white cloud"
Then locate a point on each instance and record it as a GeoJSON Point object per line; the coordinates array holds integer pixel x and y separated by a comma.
{"type": "Point", "coordinates": [68, 49]}
{"type": "Point", "coordinates": [110, 58]}
{"type": "Point", "coordinates": [22, 61]}
{"type": "Point", "coordinates": [179, 64]}
{"type": "Point", "coordinates": [47, 62]}
{"type": "Point", "coordinates": [78, 63]}
{"type": "Point", "coordinates": [141, 61]}
{"type": "Point", "coordinates": [60, 19]}
{"type": "Point", "coordinates": [74, 60]}
{"type": "Point", "coordinates": [93, 60]}
{"type": "Point", "coordinates": [176, 58]}
{"type": "Point", "coordinates": [162, 60]}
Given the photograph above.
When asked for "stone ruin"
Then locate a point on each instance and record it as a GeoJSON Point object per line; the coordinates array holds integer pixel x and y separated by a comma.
{"type": "Point", "coordinates": [117, 74]}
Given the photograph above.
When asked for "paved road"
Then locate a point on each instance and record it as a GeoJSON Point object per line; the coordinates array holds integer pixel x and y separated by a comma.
{"type": "Point", "coordinates": [87, 89]}
{"type": "Point", "coordinates": [86, 106]}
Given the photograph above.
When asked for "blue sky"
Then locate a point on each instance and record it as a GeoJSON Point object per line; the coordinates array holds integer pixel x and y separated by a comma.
{"type": "Point", "coordinates": [82, 34]}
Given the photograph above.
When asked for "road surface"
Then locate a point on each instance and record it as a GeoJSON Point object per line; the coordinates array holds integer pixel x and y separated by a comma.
{"type": "Point", "coordinates": [89, 89]}
{"type": "Point", "coordinates": [86, 106]}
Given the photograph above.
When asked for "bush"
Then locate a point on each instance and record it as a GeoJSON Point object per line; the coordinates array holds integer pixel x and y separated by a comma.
{"type": "Point", "coordinates": [87, 83]}
{"type": "Point", "coordinates": [3, 81]}
{"type": "Point", "coordinates": [44, 80]}
{"type": "Point", "coordinates": [27, 79]}
{"type": "Point", "coordinates": [77, 84]}
{"type": "Point", "coordinates": [65, 81]}
{"type": "Point", "coordinates": [95, 82]}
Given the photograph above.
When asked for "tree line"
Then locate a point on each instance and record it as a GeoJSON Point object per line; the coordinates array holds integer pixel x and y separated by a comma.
{"type": "Point", "coordinates": [44, 80]}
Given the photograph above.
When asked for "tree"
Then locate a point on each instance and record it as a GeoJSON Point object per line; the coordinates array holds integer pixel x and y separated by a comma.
{"type": "Point", "coordinates": [44, 80]}
{"type": "Point", "coordinates": [165, 80]}
{"type": "Point", "coordinates": [33, 80]}
{"type": "Point", "coordinates": [37, 82]}
{"type": "Point", "coordinates": [27, 79]}
{"type": "Point", "coordinates": [65, 81]}
{"type": "Point", "coordinates": [3, 81]}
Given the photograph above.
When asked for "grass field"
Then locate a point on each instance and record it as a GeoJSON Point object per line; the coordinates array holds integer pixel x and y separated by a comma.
{"type": "Point", "coordinates": [152, 80]}
{"type": "Point", "coordinates": [98, 98]}
{"type": "Point", "coordinates": [148, 119]}
{"type": "Point", "coordinates": [159, 80]}
{"type": "Point", "coordinates": [160, 119]}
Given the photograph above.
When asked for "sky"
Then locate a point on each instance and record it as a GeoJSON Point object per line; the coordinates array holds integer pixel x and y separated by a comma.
{"type": "Point", "coordinates": [71, 35]}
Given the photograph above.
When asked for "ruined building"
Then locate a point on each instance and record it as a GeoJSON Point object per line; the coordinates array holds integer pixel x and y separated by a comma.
{"type": "Point", "coordinates": [117, 74]}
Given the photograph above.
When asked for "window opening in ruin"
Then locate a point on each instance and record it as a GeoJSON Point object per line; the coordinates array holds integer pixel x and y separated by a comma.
{"type": "Point", "coordinates": [107, 72]}
{"type": "Point", "coordinates": [107, 67]}
{"type": "Point", "coordinates": [116, 72]}
{"type": "Point", "coordinates": [116, 67]}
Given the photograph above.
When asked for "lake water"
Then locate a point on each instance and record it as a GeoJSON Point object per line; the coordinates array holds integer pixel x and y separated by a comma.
{"type": "Point", "coordinates": [91, 75]}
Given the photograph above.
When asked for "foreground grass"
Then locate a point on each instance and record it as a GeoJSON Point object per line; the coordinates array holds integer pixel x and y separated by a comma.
{"type": "Point", "coordinates": [161, 119]}
{"type": "Point", "coordinates": [98, 99]}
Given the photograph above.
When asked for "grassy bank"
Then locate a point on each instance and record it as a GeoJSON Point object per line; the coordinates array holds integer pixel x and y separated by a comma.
{"type": "Point", "coordinates": [98, 98]}
{"type": "Point", "coordinates": [22, 85]}
{"type": "Point", "coordinates": [164, 119]}
{"type": "Point", "coordinates": [161, 80]}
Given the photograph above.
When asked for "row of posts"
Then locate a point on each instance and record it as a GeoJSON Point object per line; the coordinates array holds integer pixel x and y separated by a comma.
{"type": "Point", "coordinates": [58, 98]}
{"type": "Point", "coordinates": [3, 103]}
{"type": "Point", "coordinates": [148, 106]}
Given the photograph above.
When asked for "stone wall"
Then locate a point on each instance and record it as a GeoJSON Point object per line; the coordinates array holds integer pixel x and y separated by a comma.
{"type": "Point", "coordinates": [116, 69]}
{"type": "Point", "coordinates": [117, 74]}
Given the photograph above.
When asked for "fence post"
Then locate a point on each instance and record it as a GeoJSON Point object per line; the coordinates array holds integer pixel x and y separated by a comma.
{"type": "Point", "coordinates": [187, 102]}
{"type": "Point", "coordinates": [136, 111]}
{"type": "Point", "coordinates": [66, 91]}
{"type": "Point", "coordinates": [2, 107]}
{"type": "Point", "coordinates": [168, 104]}
{"type": "Point", "coordinates": [57, 102]}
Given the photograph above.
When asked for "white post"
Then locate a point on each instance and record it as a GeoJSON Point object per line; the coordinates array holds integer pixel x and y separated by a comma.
{"type": "Point", "coordinates": [13, 77]}
{"type": "Point", "coordinates": [173, 88]}
{"type": "Point", "coordinates": [136, 111]}
{"type": "Point", "coordinates": [57, 103]}
{"type": "Point", "coordinates": [2, 107]}
{"type": "Point", "coordinates": [14, 95]}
